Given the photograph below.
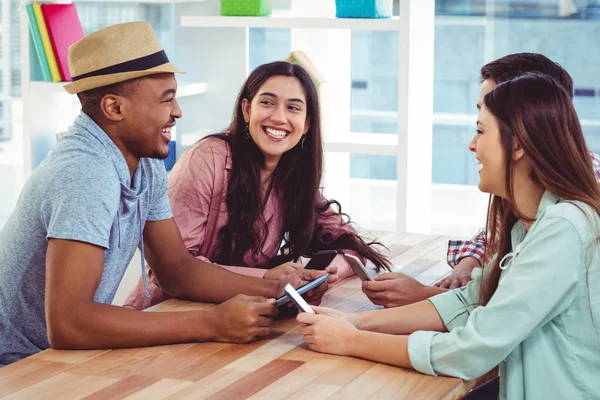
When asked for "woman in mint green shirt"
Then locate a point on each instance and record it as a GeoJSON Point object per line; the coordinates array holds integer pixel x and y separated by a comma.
{"type": "Point", "coordinates": [535, 310]}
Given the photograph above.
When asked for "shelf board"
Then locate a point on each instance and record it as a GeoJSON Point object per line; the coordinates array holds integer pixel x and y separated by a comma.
{"type": "Point", "coordinates": [364, 143]}
{"type": "Point", "coordinates": [355, 142]}
{"type": "Point", "coordinates": [288, 19]}
{"type": "Point", "coordinates": [184, 88]}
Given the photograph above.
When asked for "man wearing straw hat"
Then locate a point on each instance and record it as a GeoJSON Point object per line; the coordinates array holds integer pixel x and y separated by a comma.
{"type": "Point", "coordinates": [100, 194]}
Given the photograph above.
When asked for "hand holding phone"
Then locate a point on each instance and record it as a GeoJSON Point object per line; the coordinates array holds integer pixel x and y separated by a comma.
{"type": "Point", "coordinates": [304, 289]}
{"type": "Point", "coordinates": [359, 269]}
{"type": "Point", "coordinates": [297, 299]}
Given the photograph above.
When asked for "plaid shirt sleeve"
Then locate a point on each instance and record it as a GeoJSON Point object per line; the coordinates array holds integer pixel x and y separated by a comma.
{"type": "Point", "coordinates": [459, 249]}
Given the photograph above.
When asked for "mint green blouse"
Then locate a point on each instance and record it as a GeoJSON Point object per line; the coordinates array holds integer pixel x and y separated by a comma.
{"type": "Point", "coordinates": [542, 324]}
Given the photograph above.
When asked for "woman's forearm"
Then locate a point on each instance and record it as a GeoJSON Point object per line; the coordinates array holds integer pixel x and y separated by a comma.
{"type": "Point", "coordinates": [383, 348]}
{"type": "Point", "coordinates": [421, 316]}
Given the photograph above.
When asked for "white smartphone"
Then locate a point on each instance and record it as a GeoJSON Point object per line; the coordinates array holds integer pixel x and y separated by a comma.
{"type": "Point", "coordinates": [297, 299]}
{"type": "Point", "coordinates": [359, 269]}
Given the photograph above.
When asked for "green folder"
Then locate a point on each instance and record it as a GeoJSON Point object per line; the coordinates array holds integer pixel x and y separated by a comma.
{"type": "Point", "coordinates": [37, 43]}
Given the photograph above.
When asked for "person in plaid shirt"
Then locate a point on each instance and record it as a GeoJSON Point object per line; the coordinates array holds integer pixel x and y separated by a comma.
{"type": "Point", "coordinates": [398, 289]}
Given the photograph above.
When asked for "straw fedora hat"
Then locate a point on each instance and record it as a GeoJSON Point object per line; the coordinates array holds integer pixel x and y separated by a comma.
{"type": "Point", "coordinates": [115, 54]}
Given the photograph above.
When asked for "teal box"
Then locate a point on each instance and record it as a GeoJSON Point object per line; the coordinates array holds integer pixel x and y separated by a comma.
{"type": "Point", "coordinates": [363, 8]}
{"type": "Point", "coordinates": [254, 8]}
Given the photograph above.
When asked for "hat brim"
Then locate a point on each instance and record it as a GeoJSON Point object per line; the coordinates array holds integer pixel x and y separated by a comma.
{"type": "Point", "coordinates": [94, 82]}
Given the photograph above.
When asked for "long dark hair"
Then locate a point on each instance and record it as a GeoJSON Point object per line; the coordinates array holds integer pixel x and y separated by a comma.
{"type": "Point", "coordinates": [536, 111]}
{"type": "Point", "coordinates": [297, 176]}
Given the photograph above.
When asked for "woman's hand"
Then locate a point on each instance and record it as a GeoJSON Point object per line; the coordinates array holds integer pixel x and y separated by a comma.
{"type": "Point", "coordinates": [279, 272]}
{"type": "Point", "coordinates": [330, 312]}
{"type": "Point", "coordinates": [327, 334]}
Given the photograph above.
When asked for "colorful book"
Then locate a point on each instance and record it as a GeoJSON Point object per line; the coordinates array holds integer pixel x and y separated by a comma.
{"type": "Point", "coordinates": [39, 18]}
{"type": "Point", "coordinates": [64, 29]}
{"type": "Point", "coordinates": [35, 70]}
{"type": "Point", "coordinates": [37, 43]}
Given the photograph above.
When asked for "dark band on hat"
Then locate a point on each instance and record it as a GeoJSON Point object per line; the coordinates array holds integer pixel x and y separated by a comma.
{"type": "Point", "coordinates": [138, 64]}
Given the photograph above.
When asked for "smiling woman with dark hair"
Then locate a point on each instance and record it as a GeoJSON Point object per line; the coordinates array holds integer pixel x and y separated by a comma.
{"type": "Point", "coordinates": [249, 199]}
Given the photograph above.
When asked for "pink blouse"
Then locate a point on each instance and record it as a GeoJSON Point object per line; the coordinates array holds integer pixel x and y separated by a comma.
{"type": "Point", "coordinates": [197, 192]}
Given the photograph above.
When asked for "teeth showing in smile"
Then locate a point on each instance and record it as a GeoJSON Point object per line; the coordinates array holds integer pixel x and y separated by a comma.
{"type": "Point", "coordinates": [166, 130]}
{"type": "Point", "coordinates": [277, 134]}
{"type": "Point", "coordinates": [479, 165]}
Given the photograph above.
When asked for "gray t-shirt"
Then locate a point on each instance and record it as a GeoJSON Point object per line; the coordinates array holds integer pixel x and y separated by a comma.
{"type": "Point", "coordinates": [82, 191]}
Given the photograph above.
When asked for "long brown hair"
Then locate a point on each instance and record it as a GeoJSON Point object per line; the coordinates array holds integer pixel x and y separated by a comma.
{"type": "Point", "coordinates": [536, 111]}
{"type": "Point", "coordinates": [297, 175]}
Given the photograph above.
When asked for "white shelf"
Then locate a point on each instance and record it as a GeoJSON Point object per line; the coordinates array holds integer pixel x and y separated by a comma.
{"type": "Point", "coordinates": [287, 19]}
{"type": "Point", "coordinates": [184, 88]}
{"type": "Point", "coordinates": [47, 87]}
{"type": "Point", "coordinates": [365, 143]}
{"type": "Point", "coordinates": [355, 143]}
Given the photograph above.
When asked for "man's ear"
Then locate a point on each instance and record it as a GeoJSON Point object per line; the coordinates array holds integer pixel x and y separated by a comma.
{"type": "Point", "coordinates": [246, 110]}
{"type": "Point", "coordinates": [112, 107]}
{"type": "Point", "coordinates": [517, 150]}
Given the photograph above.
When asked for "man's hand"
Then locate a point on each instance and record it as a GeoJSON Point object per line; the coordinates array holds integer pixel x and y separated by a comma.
{"type": "Point", "coordinates": [395, 289]}
{"type": "Point", "coordinates": [243, 319]}
{"type": "Point", "coordinates": [281, 271]}
{"type": "Point", "coordinates": [461, 275]}
{"type": "Point", "coordinates": [300, 278]}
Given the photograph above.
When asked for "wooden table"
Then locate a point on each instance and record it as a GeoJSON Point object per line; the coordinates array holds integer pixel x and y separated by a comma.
{"type": "Point", "coordinates": [279, 367]}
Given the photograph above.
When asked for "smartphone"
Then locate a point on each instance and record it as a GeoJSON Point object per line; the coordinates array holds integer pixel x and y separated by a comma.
{"type": "Point", "coordinates": [311, 285]}
{"type": "Point", "coordinates": [359, 269]}
{"type": "Point", "coordinates": [297, 299]}
{"type": "Point", "coordinates": [321, 260]}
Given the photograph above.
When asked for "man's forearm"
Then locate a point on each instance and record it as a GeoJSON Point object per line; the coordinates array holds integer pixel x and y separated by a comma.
{"type": "Point", "coordinates": [201, 281]}
{"type": "Point", "coordinates": [102, 326]}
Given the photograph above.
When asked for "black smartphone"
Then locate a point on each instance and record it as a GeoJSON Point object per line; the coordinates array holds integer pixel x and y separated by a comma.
{"type": "Point", "coordinates": [321, 260]}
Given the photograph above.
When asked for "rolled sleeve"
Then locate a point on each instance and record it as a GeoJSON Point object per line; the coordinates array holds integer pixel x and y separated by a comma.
{"type": "Point", "coordinates": [451, 309]}
{"type": "Point", "coordinates": [458, 249]}
{"type": "Point", "coordinates": [419, 351]}
{"type": "Point", "coordinates": [455, 306]}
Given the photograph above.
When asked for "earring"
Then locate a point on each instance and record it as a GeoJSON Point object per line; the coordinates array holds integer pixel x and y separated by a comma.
{"type": "Point", "coordinates": [247, 130]}
{"type": "Point", "coordinates": [302, 143]}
